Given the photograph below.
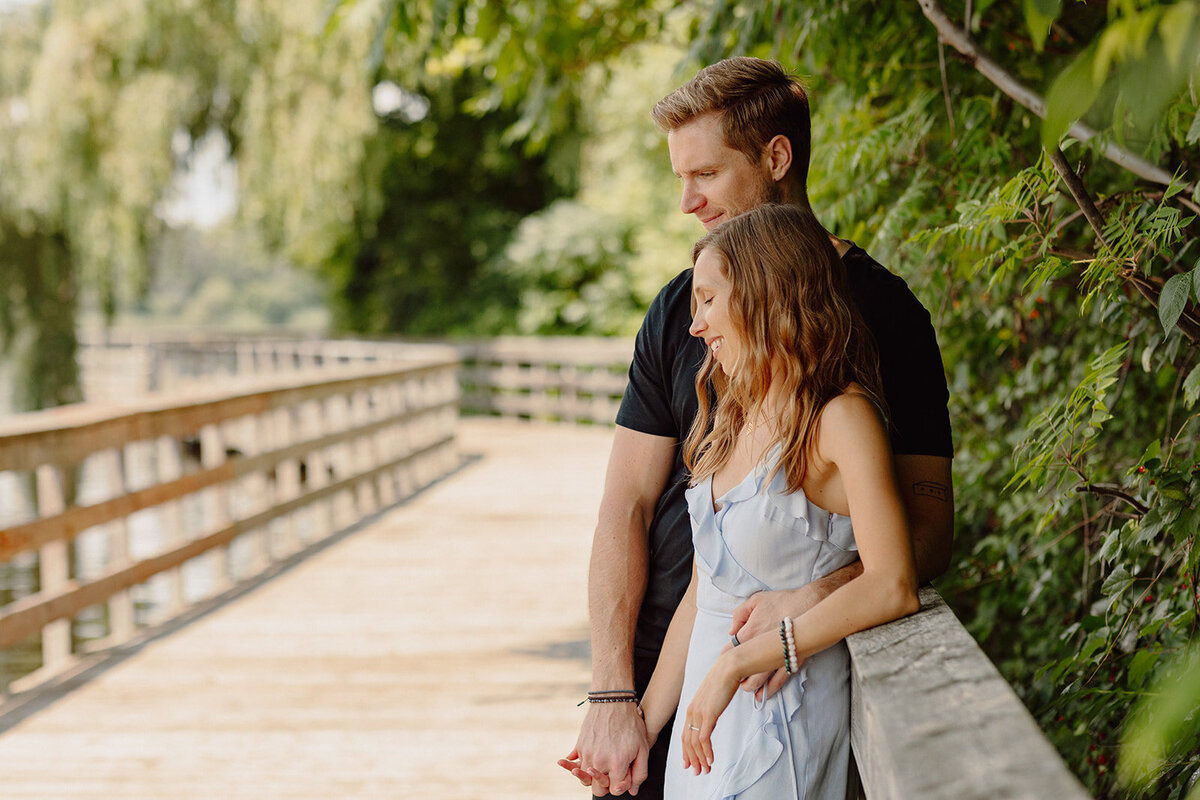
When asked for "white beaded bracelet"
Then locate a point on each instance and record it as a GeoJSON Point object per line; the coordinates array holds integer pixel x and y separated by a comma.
{"type": "Point", "coordinates": [789, 631]}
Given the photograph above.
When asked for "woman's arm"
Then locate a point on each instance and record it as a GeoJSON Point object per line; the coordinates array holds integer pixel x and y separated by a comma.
{"type": "Point", "coordinates": [662, 694]}
{"type": "Point", "coordinates": [853, 440]}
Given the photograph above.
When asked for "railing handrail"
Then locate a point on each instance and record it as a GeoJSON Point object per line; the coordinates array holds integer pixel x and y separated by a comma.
{"type": "Point", "coordinates": [932, 718]}
{"type": "Point", "coordinates": [558, 378]}
{"type": "Point", "coordinates": [52, 435]}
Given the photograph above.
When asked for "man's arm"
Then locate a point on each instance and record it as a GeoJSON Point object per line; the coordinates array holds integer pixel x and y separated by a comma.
{"type": "Point", "coordinates": [928, 495]}
{"type": "Point", "coordinates": [612, 745]}
{"type": "Point", "coordinates": [638, 469]}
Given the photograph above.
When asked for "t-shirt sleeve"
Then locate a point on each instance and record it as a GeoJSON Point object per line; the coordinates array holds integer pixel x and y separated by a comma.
{"type": "Point", "coordinates": [914, 383]}
{"type": "Point", "coordinates": [646, 406]}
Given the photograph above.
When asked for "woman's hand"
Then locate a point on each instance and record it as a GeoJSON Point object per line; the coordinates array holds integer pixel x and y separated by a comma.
{"type": "Point", "coordinates": [710, 700]}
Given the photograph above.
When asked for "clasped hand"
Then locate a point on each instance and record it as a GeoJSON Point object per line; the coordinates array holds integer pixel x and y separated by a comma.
{"type": "Point", "coordinates": [612, 751]}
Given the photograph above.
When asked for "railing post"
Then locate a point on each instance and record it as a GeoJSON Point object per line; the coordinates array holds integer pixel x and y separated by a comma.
{"type": "Point", "coordinates": [312, 426]}
{"type": "Point", "coordinates": [170, 467]}
{"type": "Point", "coordinates": [120, 605]}
{"type": "Point", "coordinates": [54, 569]}
{"type": "Point", "coordinates": [359, 408]}
{"type": "Point", "coordinates": [251, 492]}
{"type": "Point", "coordinates": [212, 454]}
{"type": "Point", "coordinates": [285, 427]}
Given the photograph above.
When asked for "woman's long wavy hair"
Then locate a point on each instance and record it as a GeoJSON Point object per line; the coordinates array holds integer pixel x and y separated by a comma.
{"type": "Point", "coordinates": [800, 329]}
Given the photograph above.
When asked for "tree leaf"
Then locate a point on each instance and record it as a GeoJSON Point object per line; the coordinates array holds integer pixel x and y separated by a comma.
{"type": "Point", "coordinates": [1193, 134]}
{"type": "Point", "coordinates": [1162, 720]}
{"type": "Point", "coordinates": [1174, 27]}
{"type": "Point", "coordinates": [1140, 666]}
{"type": "Point", "coordinates": [1173, 298]}
{"type": "Point", "coordinates": [1039, 15]}
{"type": "Point", "coordinates": [1191, 387]}
{"type": "Point", "coordinates": [1117, 582]}
{"type": "Point", "coordinates": [1069, 98]}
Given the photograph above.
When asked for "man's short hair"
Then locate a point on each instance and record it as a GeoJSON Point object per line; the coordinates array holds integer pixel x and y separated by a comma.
{"type": "Point", "coordinates": [756, 99]}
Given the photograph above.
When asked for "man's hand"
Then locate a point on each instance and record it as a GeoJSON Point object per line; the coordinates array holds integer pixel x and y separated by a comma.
{"type": "Point", "coordinates": [761, 613]}
{"type": "Point", "coordinates": [612, 752]}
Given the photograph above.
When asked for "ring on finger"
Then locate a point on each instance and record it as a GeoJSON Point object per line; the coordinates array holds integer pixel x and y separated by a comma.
{"type": "Point", "coordinates": [692, 728]}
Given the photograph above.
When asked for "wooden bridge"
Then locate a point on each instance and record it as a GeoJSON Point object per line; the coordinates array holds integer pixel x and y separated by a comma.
{"type": "Point", "coordinates": [318, 582]}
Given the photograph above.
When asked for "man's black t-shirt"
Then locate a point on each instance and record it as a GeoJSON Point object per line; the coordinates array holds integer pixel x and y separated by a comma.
{"type": "Point", "coordinates": [661, 400]}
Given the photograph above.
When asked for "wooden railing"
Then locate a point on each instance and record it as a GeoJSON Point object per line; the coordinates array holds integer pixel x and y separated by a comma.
{"type": "Point", "coordinates": [268, 467]}
{"type": "Point", "coordinates": [932, 719]}
{"type": "Point", "coordinates": [559, 379]}
{"type": "Point", "coordinates": [567, 379]}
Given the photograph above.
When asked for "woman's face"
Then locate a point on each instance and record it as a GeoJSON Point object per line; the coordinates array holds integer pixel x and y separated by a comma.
{"type": "Point", "coordinates": [710, 320]}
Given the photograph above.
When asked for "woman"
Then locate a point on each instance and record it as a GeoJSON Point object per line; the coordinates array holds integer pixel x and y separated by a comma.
{"type": "Point", "coordinates": [794, 449]}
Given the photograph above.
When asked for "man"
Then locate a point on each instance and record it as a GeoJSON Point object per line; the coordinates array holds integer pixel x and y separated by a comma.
{"type": "Point", "coordinates": [738, 136]}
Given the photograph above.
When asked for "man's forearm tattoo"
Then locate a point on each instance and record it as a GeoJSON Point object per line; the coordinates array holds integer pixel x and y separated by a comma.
{"type": "Point", "coordinates": [934, 489]}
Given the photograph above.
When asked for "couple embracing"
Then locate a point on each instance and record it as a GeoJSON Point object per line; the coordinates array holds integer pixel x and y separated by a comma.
{"type": "Point", "coordinates": [779, 478]}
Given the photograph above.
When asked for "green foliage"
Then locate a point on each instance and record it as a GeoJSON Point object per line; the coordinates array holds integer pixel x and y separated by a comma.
{"type": "Point", "coordinates": [1164, 726]}
{"type": "Point", "coordinates": [90, 100]}
{"type": "Point", "coordinates": [398, 211]}
{"type": "Point", "coordinates": [592, 264]}
{"type": "Point", "coordinates": [437, 200]}
{"type": "Point", "coordinates": [1059, 438]}
{"type": "Point", "coordinates": [1039, 15]}
{"type": "Point", "coordinates": [1071, 350]}
{"type": "Point", "coordinates": [1141, 60]}
{"type": "Point", "coordinates": [533, 54]}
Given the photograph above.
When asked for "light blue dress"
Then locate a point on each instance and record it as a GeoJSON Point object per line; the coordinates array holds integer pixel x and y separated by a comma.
{"type": "Point", "coordinates": [796, 744]}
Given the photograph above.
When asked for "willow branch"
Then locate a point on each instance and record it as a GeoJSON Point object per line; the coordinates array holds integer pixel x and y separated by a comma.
{"type": "Point", "coordinates": [1005, 82]}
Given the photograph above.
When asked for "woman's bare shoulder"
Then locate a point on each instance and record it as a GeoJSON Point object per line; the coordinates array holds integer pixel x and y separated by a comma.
{"type": "Point", "coordinates": [850, 420]}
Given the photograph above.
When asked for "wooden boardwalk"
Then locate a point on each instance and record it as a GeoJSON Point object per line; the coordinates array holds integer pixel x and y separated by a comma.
{"type": "Point", "coordinates": [437, 651]}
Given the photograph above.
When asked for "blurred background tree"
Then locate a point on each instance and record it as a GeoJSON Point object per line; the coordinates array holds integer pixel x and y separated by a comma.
{"type": "Point", "coordinates": [464, 166]}
{"type": "Point", "coordinates": [373, 173]}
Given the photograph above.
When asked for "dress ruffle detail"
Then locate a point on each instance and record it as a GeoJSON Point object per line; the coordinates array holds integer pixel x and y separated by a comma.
{"type": "Point", "coordinates": [712, 551]}
{"type": "Point", "coordinates": [819, 524]}
{"type": "Point", "coordinates": [765, 744]}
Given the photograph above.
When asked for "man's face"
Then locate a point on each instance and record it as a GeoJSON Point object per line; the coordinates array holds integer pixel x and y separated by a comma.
{"type": "Point", "coordinates": [718, 182]}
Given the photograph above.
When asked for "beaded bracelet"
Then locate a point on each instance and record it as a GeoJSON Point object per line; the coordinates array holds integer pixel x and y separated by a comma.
{"type": "Point", "coordinates": [787, 661]}
{"type": "Point", "coordinates": [793, 659]}
{"type": "Point", "coordinates": [610, 696]}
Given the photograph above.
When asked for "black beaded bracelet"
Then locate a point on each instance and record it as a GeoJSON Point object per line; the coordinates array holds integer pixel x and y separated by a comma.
{"type": "Point", "coordinates": [629, 698]}
{"type": "Point", "coordinates": [787, 660]}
